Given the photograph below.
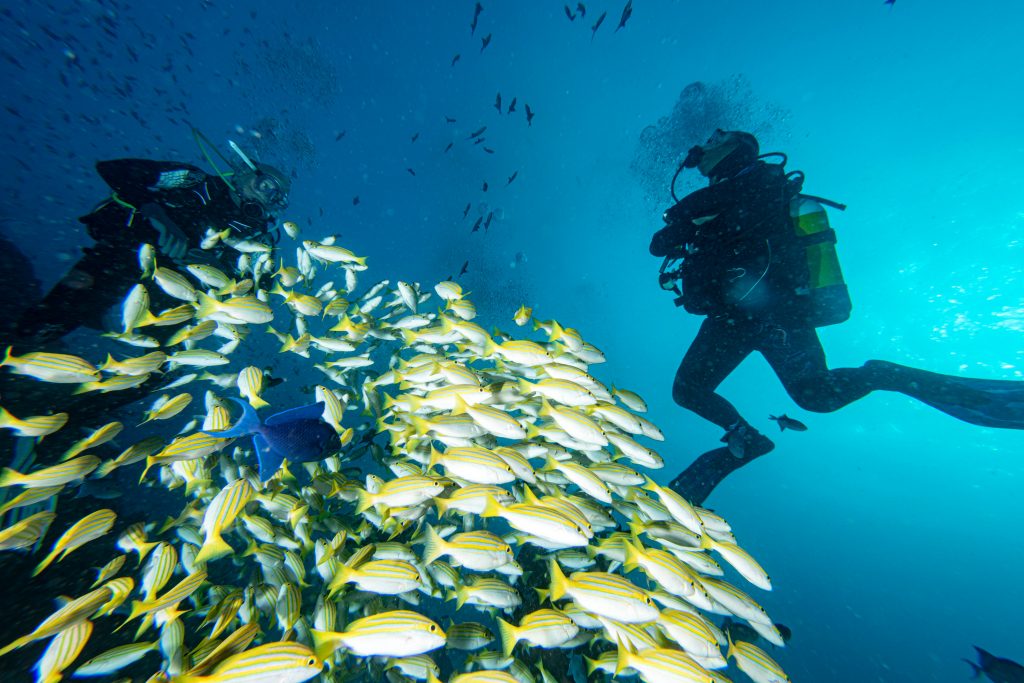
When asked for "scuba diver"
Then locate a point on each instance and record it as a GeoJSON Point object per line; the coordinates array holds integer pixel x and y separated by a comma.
{"type": "Point", "coordinates": [167, 204]}
{"type": "Point", "coordinates": [757, 257]}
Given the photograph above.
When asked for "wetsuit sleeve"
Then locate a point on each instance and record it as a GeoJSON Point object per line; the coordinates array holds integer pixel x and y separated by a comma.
{"type": "Point", "coordinates": [669, 238]}
{"type": "Point", "coordinates": [136, 181]}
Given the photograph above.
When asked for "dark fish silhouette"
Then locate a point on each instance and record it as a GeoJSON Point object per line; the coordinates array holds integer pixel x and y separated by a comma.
{"type": "Point", "coordinates": [411, 172]}
{"type": "Point", "coordinates": [476, 15]}
{"type": "Point", "coordinates": [355, 201]}
{"type": "Point", "coordinates": [512, 177]}
{"type": "Point", "coordinates": [512, 106]}
{"type": "Point", "coordinates": [476, 226]}
{"type": "Point", "coordinates": [597, 25]}
{"type": "Point", "coordinates": [299, 435]}
{"type": "Point", "coordinates": [529, 116]}
{"type": "Point", "coordinates": [997, 669]}
{"type": "Point", "coordinates": [485, 186]}
{"type": "Point", "coordinates": [487, 223]}
{"type": "Point", "coordinates": [488, 150]}
{"type": "Point", "coordinates": [497, 102]}
{"type": "Point", "coordinates": [741, 631]}
{"type": "Point", "coordinates": [448, 119]}
{"type": "Point", "coordinates": [568, 13]}
{"type": "Point", "coordinates": [449, 146]}
{"type": "Point", "coordinates": [786, 422]}
{"type": "Point", "coordinates": [456, 58]}
{"type": "Point", "coordinates": [415, 137]}
{"type": "Point", "coordinates": [581, 9]}
{"type": "Point", "coordinates": [476, 133]}
{"type": "Point", "coordinates": [478, 141]}
{"type": "Point", "coordinates": [339, 136]}
{"type": "Point", "coordinates": [465, 212]}
{"type": "Point", "coordinates": [465, 267]}
{"type": "Point", "coordinates": [485, 42]}
{"type": "Point", "coordinates": [627, 12]}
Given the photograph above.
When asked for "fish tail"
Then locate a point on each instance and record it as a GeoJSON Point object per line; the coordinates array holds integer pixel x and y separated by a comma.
{"type": "Point", "coordinates": [9, 477]}
{"type": "Point", "coordinates": [491, 507]}
{"type": "Point", "coordinates": [24, 640]}
{"type": "Point", "coordinates": [8, 357]}
{"type": "Point", "coordinates": [213, 547]}
{"type": "Point", "coordinates": [257, 402]}
{"type": "Point", "coordinates": [632, 556]}
{"type": "Point", "coordinates": [46, 562]}
{"type": "Point", "coordinates": [144, 549]}
{"type": "Point", "coordinates": [364, 501]}
{"type": "Point", "coordinates": [508, 636]}
{"type": "Point", "coordinates": [558, 582]}
{"type": "Point", "coordinates": [247, 424]}
{"type": "Point", "coordinates": [206, 305]}
{"type": "Point", "coordinates": [435, 547]}
{"type": "Point", "coordinates": [6, 419]}
{"type": "Point", "coordinates": [975, 669]}
{"type": "Point", "coordinates": [325, 643]}
{"type": "Point", "coordinates": [338, 581]}
{"type": "Point", "coordinates": [622, 659]}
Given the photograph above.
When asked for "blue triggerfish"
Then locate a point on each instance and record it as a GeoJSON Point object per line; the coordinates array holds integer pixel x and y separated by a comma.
{"type": "Point", "coordinates": [299, 434]}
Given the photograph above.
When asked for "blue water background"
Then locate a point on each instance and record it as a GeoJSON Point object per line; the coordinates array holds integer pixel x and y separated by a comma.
{"type": "Point", "coordinates": [892, 532]}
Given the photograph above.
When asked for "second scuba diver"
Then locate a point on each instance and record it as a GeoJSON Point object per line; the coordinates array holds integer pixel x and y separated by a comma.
{"type": "Point", "coordinates": [757, 258]}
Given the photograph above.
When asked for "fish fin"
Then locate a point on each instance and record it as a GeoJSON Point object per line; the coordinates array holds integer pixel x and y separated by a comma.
{"type": "Point", "coordinates": [314, 411]}
{"type": "Point", "coordinates": [325, 643]}
{"type": "Point", "coordinates": [247, 424]}
{"type": "Point", "coordinates": [270, 460]}
{"type": "Point", "coordinates": [213, 547]}
{"type": "Point", "coordinates": [364, 501]}
{"type": "Point", "coordinates": [558, 582]}
{"type": "Point", "coordinates": [46, 562]}
{"type": "Point", "coordinates": [508, 636]}
{"type": "Point", "coordinates": [976, 670]}
{"type": "Point", "coordinates": [434, 547]}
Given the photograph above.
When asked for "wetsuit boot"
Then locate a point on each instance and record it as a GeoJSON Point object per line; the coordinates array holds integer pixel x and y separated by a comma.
{"type": "Point", "coordinates": [744, 443]}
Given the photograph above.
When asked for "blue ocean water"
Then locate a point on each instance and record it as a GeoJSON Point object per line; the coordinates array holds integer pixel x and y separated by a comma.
{"type": "Point", "coordinates": [891, 531]}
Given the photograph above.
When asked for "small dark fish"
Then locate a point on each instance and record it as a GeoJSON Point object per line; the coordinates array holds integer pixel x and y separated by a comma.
{"type": "Point", "coordinates": [456, 58]}
{"type": "Point", "coordinates": [477, 10]}
{"type": "Point", "coordinates": [485, 186]}
{"type": "Point", "coordinates": [627, 12]}
{"type": "Point", "coordinates": [529, 116]}
{"type": "Point", "coordinates": [355, 201]}
{"type": "Point", "coordinates": [476, 226]}
{"type": "Point", "coordinates": [299, 434]}
{"type": "Point", "coordinates": [449, 119]}
{"type": "Point", "coordinates": [478, 141]}
{"type": "Point", "coordinates": [472, 26]}
{"type": "Point", "coordinates": [449, 146]}
{"type": "Point", "coordinates": [487, 223]}
{"type": "Point", "coordinates": [485, 42]}
{"type": "Point", "coordinates": [891, 3]}
{"type": "Point", "coordinates": [786, 422]}
{"type": "Point", "coordinates": [339, 136]}
{"type": "Point", "coordinates": [465, 267]}
{"type": "Point", "coordinates": [581, 9]}
{"type": "Point", "coordinates": [465, 212]}
{"type": "Point", "coordinates": [477, 133]}
{"type": "Point", "coordinates": [741, 631]}
{"type": "Point", "coordinates": [512, 106]}
{"type": "Point", "coordinates": [488, 150]}
{"type": "Point", "coordinates": [512, 177]}
{"type": "Point", "coordinates": [597, 24]}
{"type": "Point", "coordinates": [100, 489]}
{"type": "Point", "coordinates": [568, 13]}
{"type": "Point", "coordinates": [321, 212]}
{"type": "Point", "coordinates": [411, 172]}
{"type": "Point", "coordinates": [997, 669]}
{"type": "Point", "coordinates": [415, 137]}
{"type": "Point", "coordinates": [497, 102]}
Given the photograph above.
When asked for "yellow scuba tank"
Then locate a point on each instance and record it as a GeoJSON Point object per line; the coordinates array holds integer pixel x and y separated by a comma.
{"type": "Point", "coordinates": [827, 298]}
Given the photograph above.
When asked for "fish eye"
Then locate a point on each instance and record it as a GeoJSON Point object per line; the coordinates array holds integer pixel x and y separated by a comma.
{"type": "Point", "coordinates": [311, 661]}
{"type": "Point", "coordinates": [432, 628]}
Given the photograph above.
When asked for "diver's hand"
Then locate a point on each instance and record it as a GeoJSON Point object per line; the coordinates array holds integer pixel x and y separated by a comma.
{"type": "Point", "coordinates": [170, 240]}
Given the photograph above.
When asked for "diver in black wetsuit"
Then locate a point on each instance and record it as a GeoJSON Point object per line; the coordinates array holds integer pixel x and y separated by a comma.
{"type": "Point", "coordinates": [167, 204]}
{"type": "Point", "coordinates": [757, 258]}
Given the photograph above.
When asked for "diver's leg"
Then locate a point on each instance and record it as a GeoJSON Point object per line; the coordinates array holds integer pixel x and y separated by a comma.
{"type": "Point", "coordinates": [93, 285]}
{"type": "Point", "coordinates": [717, 350]}
{"type": "Point", "coordinates": [797, 357]}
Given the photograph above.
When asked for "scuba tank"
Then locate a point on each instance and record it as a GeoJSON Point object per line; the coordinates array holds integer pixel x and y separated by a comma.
{"type": "Point", "coordinates": [797, 279]}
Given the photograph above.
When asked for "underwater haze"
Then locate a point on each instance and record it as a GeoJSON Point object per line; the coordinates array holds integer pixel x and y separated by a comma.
{"type": "Point", "coordinates": [892, 532]}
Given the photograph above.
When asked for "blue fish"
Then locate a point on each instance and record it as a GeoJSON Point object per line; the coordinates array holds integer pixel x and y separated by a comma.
{"type": "Point", "coordinates": [299, 434]}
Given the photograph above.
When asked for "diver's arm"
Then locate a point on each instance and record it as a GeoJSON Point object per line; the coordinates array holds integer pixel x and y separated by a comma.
{"type": "Point", "coordinates": [137, 180]}
{"type": "Point", "coordinates": [670, 238]}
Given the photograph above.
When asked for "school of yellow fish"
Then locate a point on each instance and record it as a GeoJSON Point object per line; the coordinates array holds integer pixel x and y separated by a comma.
{"type": "Point", "coordinates": [511, 479]}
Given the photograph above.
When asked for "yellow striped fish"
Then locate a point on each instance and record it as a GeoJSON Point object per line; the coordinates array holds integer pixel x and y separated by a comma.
{"type": "Point", "coordinates": [39, 425]}
{"type": "Point", "coordinates": [239, 309]}
{"type": "Point", "coordinates": [250, 386]}
{"type": "Point", "coordinates": [140, 365]}
{"type": "Point", "coordinates": [51, 367]}
{"type": "Point", "coordinates": [278, 662]}
{"type": "Point", "coordinates": [755, 662]}
{"type": "Point", "coordinates": [660, 664]}
{"type": "Point", "coordinates": [106, 433]}
{"type": "Point", "coordinates": [115, 659]}
{"type": "Point", "coordinates": [172, 597]}
{"type": "Point", "coordinates": [166, 407]}
{"type": "Point", "coordinates": [73, 612]}
{"type": "Point", "coordinates": [543, 628]}
{"type": "Point", "coordinates": [398, 633]}
{"type": "Point", "coordinates": [29, 496]}
{"type": "Point", "coordinates": [26, 532]}
{"type": "Point", "coordinates": [62, 650]}
{"type": "Point", "coordinates": [603, 594]}
{"type": "Point", "coordinates": [477, 550]}
{"type": "Point", "coordinates": [384, 577]}
{"type": "Point", "coordinates": [88, 528]}
{"type": "Point", "coordinates": [219, 515]}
